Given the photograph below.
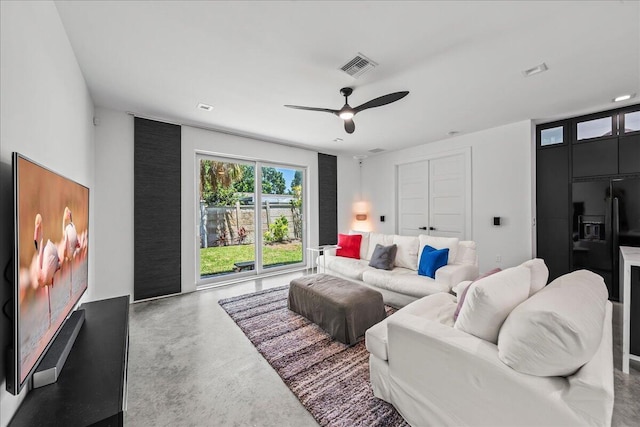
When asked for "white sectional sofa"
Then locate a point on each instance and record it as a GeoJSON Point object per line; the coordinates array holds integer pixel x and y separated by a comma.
{"type": "Point", "coordinates": [549, 363]}
{"type": "Point", "coordinates": [402, 285]}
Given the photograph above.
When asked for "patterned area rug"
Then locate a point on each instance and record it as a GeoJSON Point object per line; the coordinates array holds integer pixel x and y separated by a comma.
{"type": "Point", "coordinates": [331, 379]}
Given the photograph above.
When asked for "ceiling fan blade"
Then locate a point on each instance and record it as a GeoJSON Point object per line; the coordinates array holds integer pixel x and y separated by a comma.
{"type": "Point", "coordinates": [383, 100]}
{"type": "Point", "coordinates": [349, 126]}
{"type": "Point", "coordinates": [324, 110]}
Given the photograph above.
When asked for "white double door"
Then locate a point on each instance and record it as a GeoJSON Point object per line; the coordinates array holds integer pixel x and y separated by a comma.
{"type": "Point", "coordinates": [433, 197]}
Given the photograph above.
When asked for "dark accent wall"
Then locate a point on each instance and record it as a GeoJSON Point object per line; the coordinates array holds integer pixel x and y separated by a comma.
{"type": "Point", "coordinates": [327, 199]}
{"type": "Point", "coordinates": [156, 209]}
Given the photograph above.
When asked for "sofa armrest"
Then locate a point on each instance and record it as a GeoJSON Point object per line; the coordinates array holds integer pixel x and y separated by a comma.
{"type": "Point", "coordinates": [331, 251]}
{"type": "Point", "coordinates": [449, 377]}
{"type": "Point", "coordinates": [452, 274]}
{"type": "Point", "coordinates": [591, 390]}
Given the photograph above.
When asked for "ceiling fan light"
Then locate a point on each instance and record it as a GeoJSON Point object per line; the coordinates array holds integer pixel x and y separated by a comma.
{"type": "Point", "coordinates": [346, 115]}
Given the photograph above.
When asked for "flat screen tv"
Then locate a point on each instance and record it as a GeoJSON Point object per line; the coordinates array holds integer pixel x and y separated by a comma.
{"type": "Point", "coordinates": [51, 224]}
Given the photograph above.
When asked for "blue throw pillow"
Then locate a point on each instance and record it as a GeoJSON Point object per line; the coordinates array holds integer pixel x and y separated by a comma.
{"type": "Point", "coordinates": [431, 260]}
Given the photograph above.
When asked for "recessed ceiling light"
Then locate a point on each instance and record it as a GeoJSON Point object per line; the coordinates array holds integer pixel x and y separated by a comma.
{"type": "Point", "coordinates": [453, 132]}
{"type": "Point", "coordinates": [338, 140]}
{"type": "Point", "coordinates": [205, 107]}
{"type": "Point", "coordinates": [623, 97]}
{"type": "Point", "coordinates": [535, 70]}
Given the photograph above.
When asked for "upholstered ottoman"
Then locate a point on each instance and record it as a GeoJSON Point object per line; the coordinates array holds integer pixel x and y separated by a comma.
{"type": "Point", "coordinates": [344, 309]}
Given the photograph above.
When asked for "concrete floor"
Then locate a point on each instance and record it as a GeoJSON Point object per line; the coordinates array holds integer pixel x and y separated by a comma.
{"type": "Point", "coordinates": [190, 365]}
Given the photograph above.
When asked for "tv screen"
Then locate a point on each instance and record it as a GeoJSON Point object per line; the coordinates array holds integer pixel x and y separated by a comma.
{"type": "Point", "coordinates": [51, 223]}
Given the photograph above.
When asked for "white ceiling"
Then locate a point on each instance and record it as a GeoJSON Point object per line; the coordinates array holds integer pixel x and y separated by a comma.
{"type": "Point", "coordinates": [461, 61]}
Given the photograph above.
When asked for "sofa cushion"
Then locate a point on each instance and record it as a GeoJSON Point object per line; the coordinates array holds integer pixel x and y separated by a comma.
{"type": "Point", "coordinates": [378, 239]}
{"type": "Point", "coordinates": [460, 287]}
{"type": "Point", "coordinates": [558, 329]}
{"type": "Point", "coordinates": [404, 281]}
{"type": "Point", "coordinates": [407, 255]}
{"type": "Point", "coordinates": [347, 267]}
{"type": "Point", "coordinates": [463, 293]}
{"type": "Point", "coordinates": [438, 308]}
{"type": "Point", "coordinates": [539, 274]}
{"type": "Point", "coordinates": [440, 243]}
{"type": "Point", "coordinates": [349, 245]}
{"type": "Point", "coordinates": [431, 260]}
{"type": "Point", "coordinates": [490, 300]}
{"type": "Point", "coordinates": [383, 257]}
{"type": "Point", "coordinates": [364, 244]}
{"type": "Point", "coordinates": [466, 253]}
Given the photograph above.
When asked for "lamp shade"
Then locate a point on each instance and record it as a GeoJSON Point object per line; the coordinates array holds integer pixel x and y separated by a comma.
{"type": "Point", "coordinates": [360, 209]}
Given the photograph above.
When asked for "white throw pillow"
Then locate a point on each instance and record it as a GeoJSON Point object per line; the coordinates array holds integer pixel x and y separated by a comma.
{"type": "Point", "coordinates": [439, 243]}
{"type": "Point", "coordinates": [377, 238]}
{"type": "Point", "coordinates": [364, 244]}
{"type": "Point", "coordinates": [407, 255]}
{"type": "Point", "coordinates": [539, 274]}
{"type": "Point", "coordinates": [490, 300]}
{"type": "Point", "coordinates": [466, 253]}
{"type": "Point", "coordinates": [460, 287]}
{"type": "Point", "coordinates": [558, 329]}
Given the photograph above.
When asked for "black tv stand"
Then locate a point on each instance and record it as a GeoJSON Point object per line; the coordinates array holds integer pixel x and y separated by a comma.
{"type": "Point", "coordinates": [91, 389]}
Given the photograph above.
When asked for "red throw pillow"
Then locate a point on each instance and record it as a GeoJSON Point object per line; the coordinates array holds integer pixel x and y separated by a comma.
{"type": "Point", "coordinates": [349, 245]}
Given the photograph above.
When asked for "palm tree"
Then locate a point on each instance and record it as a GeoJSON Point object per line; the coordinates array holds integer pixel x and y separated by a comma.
{"type": "Point", "coordinates": [214, 176]}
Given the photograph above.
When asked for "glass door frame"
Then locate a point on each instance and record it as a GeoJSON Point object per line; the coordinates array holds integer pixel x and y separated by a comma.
{"type": "Point", "coordinates": [259, 270]}
{"type": "Point", "coordinates": [259, 251]}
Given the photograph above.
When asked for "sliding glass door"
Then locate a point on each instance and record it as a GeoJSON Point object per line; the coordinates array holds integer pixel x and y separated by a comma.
{"type": "Point", "coordinates": [245, 228]}
{"type": "Point", "coordinates": [281, 216]}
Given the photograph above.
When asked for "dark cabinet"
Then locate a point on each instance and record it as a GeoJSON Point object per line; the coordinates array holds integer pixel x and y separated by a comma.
{"type": "Point", "coordinates": [554, 245]}
{"type": "Point", "coordinates": [552, 171]}
{"type": "Point", "coordinates": [584, 166]}
{"type": "Point", "coordinates": [552, 201]}
{"type": "Point", "coordinates": [91, 388]}
{"type": "Point", "coordinates": [595, 158]}
{"type": "Point", "coordinates": [629, 153]}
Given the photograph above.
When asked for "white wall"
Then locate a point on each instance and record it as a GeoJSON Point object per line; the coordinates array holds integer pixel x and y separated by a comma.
{"type": "Point", "coordinates": [348, 193]}
{"type": "Point", "coordinates": [114, 202]}
{"type": "Point", "coordinates": [501, 162]}
{"type": "Point", "coordinates": [113, 248]}
{"type": "Point", "coordinates": [46, 114]}
{"type": "Point", "coordinates": [193, 140]}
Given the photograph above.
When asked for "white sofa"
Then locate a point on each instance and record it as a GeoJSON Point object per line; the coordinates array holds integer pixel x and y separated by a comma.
{"type": "Point", "coordinates": [403, 285]}
{"type": "Point", "coordinates": [551, 364]}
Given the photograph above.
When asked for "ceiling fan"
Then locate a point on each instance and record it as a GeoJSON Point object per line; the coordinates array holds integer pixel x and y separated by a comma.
{"type": "Point", "coordinates": [346, 113]}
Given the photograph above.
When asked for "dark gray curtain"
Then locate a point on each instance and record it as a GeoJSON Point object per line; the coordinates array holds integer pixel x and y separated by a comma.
{"type": "Point", "coordinates": [156, 209]}
{"type": "Point", "coordinates": [328, 199]}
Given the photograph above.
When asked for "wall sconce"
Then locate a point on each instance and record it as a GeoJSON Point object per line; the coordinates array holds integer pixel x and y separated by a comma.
{"type": "Point", "coordinates": [360, 209]}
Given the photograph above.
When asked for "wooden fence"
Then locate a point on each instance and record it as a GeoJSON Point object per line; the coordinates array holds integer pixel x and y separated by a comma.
{"type": "Point", "coordinates": [221, 225]}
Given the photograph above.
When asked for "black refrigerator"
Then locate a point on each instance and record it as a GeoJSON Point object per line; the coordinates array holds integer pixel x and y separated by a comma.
{"type": "Point", "coordinates": [606, 215]}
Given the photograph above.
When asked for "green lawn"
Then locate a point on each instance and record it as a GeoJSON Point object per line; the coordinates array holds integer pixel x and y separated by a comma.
{"type": "Point", "coordinates": [220, 259]}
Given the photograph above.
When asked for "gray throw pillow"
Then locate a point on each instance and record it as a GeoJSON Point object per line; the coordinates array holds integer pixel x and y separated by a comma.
{"type": "Point", "coordinates": [383, 257]}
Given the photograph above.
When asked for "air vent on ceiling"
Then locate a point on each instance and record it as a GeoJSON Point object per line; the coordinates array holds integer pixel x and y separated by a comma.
{"type": "Point", "coordinates": [376, 150]}
{"type": "Point", "coordinates": [358, 66]}
{"type": "Point", "coordinates": [535, 70]}
{"type": "Point", "coordinates": [205, 107]}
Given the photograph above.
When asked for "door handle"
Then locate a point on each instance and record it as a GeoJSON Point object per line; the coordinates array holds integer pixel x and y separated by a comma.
{"type": "Point", "coordinates": [431, 228]}
{"type": "Point", "coordinates": [422, 228]}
